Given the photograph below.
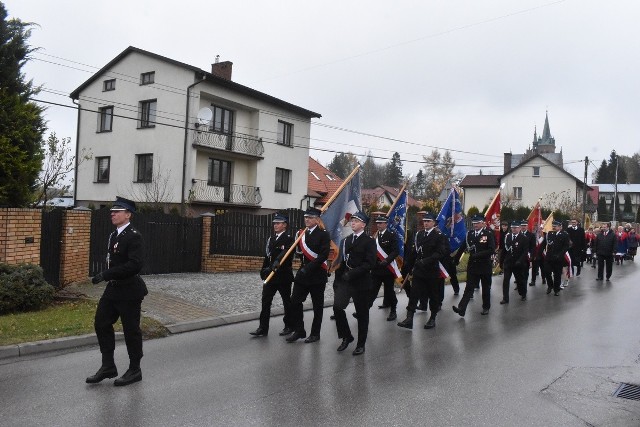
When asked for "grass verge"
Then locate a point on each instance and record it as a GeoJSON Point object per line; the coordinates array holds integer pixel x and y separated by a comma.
{"type": "Point", "coordinates": [62, 319]}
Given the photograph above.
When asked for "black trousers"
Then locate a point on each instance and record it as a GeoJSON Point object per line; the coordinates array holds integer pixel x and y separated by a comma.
{"type": "Point", "coordinates": [536, 268]}
{"type": "Point", "coordinates": [268, 292]}
{"type": "Point", "coordinates": [453, 277]}
{"type": "Point", "coordinates": [517, 272]}
{"type": "Point", "coordinates": [298, 296]}
{"type": "Point", "coordinates": [525, 275]}
{"type": "Point", "coordinates": [602, 261]}
{"type": "Point", "coordinates": [554, 273]}
{"type": "Point", "coordinates": [576, 261]}
{"type": "Point", "coordinates": [107, 314]}
{"type": "Point", "coordinates": [426, 290]}
{"type": "Point", "coordinates": [344, 292]}
{"type": "Point", "coordinates": [473, 281]}
{"type": "Point", "coordinates": [387, 280]}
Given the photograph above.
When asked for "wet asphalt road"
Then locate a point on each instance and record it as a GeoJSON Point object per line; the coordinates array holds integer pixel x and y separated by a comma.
{"type": "Point", "coordinates": [549, 361]}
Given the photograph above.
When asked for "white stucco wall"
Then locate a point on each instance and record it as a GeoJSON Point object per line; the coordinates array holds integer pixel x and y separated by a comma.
{"type": "Point", "coordinates": [478, 197]}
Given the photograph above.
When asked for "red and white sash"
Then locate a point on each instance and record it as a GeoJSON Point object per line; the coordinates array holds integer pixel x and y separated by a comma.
{"type": "Point", "coordinates": [308, 253]}
{"type": "Point", "coordinates": [443, 271]}
{"type": "Point", "coordinates": [393, 266]}
{"type": "Point", "coordinates": [567, 258]}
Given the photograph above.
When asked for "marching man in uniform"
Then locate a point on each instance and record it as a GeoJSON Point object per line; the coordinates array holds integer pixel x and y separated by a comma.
{"type": "Point", "coordinates": [423, 261]}
{"type": "Point", "coordinates": [353, 280]}
{"type": "Point", "coordinates": [383, 272]}
{"type": "Point", "coordinates": [277, 245]}
{"type": "Point", "coordinates": [480, 245]}
{"type": "Point", "coordinates": [556, 244]}
{"type": "Point", "coordinates": [311, 278]}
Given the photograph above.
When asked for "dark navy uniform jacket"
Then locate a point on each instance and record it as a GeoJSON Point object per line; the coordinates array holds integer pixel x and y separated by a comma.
{"type": "Point", "coordinates": [319, 242]}
{"type": "Point", "coordinates": [359, 257]}
{"type": "Point", "coordinates": [425, 254]}
{"type": "Point", "coordinates": [276, 248]}
{"type": "Point", "coordinates": [481, 248]}
{"type": "Point", "coordinates": [388, 241]}
{"type": "Point", "coordinates": [126, 258]}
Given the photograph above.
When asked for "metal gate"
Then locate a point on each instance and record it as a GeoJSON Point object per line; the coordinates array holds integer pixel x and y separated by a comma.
{"type": "Point", "coordinates": [173, 244]}
{"type": "Point", "coordinates": [50, 243]}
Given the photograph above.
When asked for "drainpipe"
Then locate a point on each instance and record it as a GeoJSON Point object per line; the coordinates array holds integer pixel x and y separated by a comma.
{"type": "Point", "coordinates": [75, 169]}
{"type": "Point", "coordinates": [186, 135]}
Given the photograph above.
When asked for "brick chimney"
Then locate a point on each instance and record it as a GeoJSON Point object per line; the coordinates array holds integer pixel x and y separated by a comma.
{"type": "Point", "coordinates": [507, 162]}
{"type": "Point", "coordinates": [222, 69]}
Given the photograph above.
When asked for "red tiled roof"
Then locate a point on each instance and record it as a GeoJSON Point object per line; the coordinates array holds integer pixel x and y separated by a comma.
{"type": "Point", "coordinates": [372, 194]}
{"type": "Point", "coordinates": [318, 181]}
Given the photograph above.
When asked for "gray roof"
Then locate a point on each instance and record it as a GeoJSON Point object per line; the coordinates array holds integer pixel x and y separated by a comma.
{"type": "Point", "coordinates": [622, 188]}
{"type": "Point", "coordinates": [555, 158]}
{"type": "Point", "coordinates": [492, 181]}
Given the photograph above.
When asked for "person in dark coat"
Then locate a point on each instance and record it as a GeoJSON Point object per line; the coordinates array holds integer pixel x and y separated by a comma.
{"type": "Point", "coordinates": [605, 248]}
{"type": "Point", "coordinates": [516, 247]}
{"type": "Point", "coordinates": [480, 245]}
{"type": "Point", "coordinates": [531, 238]}
{"type": "Point", "coordinates": [277, 245]}
{"type": "Point", "coordinates": [381, 273]}
{"type": "Point", "coordinates": [122, 298]}
{"type": "Point", "coordinates": [578, 245]}
{"type": "Point", "coordinates": [424, 263]}
{"type": "Point", "coordinates": [311, 278]}
{"type": "Point", "coordinates": [353, 281]}
{"type": "Point", "coordinates": [556, 244]}
{"type": "Point", "coordinates": [537, 259]}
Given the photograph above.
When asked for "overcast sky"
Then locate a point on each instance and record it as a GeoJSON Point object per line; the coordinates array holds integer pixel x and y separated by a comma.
{"type": "Point", "coordinates": [470, 76]}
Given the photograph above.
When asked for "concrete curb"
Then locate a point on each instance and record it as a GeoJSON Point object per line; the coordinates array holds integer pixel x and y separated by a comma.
{"type": "Point", "coordinates": [65, 343]}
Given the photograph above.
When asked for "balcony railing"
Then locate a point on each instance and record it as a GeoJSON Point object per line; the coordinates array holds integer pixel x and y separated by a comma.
{"type": "Point", "coordinates": [237, 143]}
{"type": "Point", "coordinates": [201, 191]}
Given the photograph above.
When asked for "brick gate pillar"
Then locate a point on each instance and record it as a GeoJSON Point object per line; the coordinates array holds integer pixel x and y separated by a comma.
{"type": "Point", "coordinates": [20, 235]}
{"type": "Point", "coordinates": [75, 246]}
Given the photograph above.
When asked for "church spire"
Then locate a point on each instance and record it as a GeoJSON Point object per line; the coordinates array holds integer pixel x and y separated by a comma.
{"type": "Point", "coordinates": [546, 133]}
{"type": "Point", "coordinates": [535, 136]}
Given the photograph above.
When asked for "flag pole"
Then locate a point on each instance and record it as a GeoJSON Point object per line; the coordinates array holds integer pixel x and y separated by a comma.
{"type": "Point", "coordinates": [491, 204]}
{"type": "Point", "coordinates": [324, 208]}
{"type": "Point", "coordinates": [395, 202]}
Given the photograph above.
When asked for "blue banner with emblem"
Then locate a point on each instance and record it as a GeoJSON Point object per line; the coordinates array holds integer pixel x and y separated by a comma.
{"type": "Point", "coordinates": [451, 221]}
{"type": "Point", "coordinates": [337, 216]}
{"type": "Point", "coordinates": [397, 221]}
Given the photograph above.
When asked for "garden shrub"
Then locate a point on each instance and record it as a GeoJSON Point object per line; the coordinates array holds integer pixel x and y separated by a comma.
{"type": "Point", "coordinates": [23, 288]}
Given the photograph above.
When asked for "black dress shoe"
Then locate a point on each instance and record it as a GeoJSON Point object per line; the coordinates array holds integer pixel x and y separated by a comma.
{"type": "Point", "coordinates": [485, 311]}
{"type": "Point", "coordinates": [549, 290]}
{"type": "Point", "coordinates": [296, 336]}
{"type": "Point", "coordinates": [312, 338]}
{"type": "Point", "coordinates": [556, 293]}
{"type": "Point", "coordinates": [457, 310]}
{"type": "Point", "coordinates": [599, 279]}
{"type": "Point", "coordinates": [384, 306]}
{"type": "Point", "coordinates": [285, 331]}
{"type": "Point", "coordinates": [332, 317]}
{"type": "Point", "coordinates": [532, 284]}
{"type": "Point", "coordinates": [431, 323]}
{"type": "Point", "coordinates": [354, 314]}
{"type": "Point", "coordinates": [345, 343]}
{"type": "Point", "coordinates": [358, 351]}
{"type": "Point", "coordinates": [129, 377]}
{"type": "Point", "coordinates": [392, 315]}
{"type": "Point", "coordinates": [456, 293]}
{"type": "Point", "coordinates": [608, 280]}
{"type": "Point", "coordinates": [504, 302]}
{"type": "Point", "coordinates": [524, 298]}
{"type": "Point", "coordinates": [103, 373]}
{"type": "Point", "coordinates": [422, 307]}
{"type": "Point", "coordinates": [260, 332]}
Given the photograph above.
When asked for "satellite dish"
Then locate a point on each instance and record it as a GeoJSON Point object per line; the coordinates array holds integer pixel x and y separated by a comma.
{"type": "Point", "coordinates": [204, 116]}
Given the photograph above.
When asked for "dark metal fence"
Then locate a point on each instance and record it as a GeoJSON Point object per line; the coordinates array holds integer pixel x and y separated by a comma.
{"type": "Point", "coordinates": [173, 244]}
{"type": "Point", "coordinates": [238, 233]}
{"type": "Point", "coordinates": [50, 244]}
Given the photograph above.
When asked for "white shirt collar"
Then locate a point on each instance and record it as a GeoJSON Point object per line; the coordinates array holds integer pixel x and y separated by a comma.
{"type": "Point", "coordinates": [120, 229]}
{"type": "Point", "coordinates": [312, 228]}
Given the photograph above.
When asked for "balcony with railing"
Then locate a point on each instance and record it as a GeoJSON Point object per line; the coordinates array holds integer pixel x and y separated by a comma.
{"type": "Point", "coordinates": [202, 192]}
{"type": "Point", "coordinates": [237, 143]}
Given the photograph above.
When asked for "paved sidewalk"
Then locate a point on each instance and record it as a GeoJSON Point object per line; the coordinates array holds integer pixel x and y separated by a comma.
{"type": "Point", "coordinates": [181, 302]}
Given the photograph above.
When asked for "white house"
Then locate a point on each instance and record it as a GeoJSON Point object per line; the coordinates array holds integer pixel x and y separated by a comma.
{"type": "Point", "coordinates": [161, 129]}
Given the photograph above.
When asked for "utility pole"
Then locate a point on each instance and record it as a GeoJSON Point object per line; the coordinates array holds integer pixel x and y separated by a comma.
{"type": "Point", "coordinates": [584, 191]}
{"type": "Point", "coordinates": [615, 193]}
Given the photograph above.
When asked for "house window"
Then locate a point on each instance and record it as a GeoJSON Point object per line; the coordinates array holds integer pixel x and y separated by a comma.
{"type": "Point", "coordinates": [329, 177]}
{"type": "Point", "coordinates": [105, 119]}
{"type": "Point", "coordinates": [536, 171]}
{"type": "Point", "coordinates": [283, 177]}
{"type": "Point", "coordinates": [222, 120]}
{"type": "Point", "coordinates": [103, 165]}
{"type": "Point", "coordinates": [109, 85]}
{"type": "Point", "coordinates": [147, 113]}
{"type": "Point", "coordinates": [315, 176]}
{"type": "Point", "coordinates": [219, 172]}
{"type": "Point", "coordinates": [284, 133]}
{"type": "Point", "coordinates": [517, 193]}
{"type": "Point", "coordinates": [144, 167]}
{"type": "Point", "coordinates": [147, 78]}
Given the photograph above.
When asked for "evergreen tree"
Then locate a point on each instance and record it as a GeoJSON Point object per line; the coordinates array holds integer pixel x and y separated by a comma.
{"type": "Point", "coordinates": [628, 208]}
{"type": "Point", "coordinates": [372, 173]}
{"type": "Point", "coordinates": [21, 123]}
{"type": "Point", "coordinates": [419, 185]}
{"type": "Point", "coordinates": [393, 176]}
{"type": "Point", "coordinates": [603, 212]}
{"type": "Point", "coordinates": [602, 174]}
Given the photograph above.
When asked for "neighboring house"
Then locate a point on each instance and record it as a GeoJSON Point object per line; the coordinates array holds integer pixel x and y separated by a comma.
{"type": "Point", "coordinates": [59, 202]}
{"type": "Point", "coordinates": [384, 195]}
{"type": "Point", "coordinates": [321, 184]}
{"type": "Point", "coordinates": [155, 125]}
{"type": "Point", "coordinates": [479, 190]}
{"type": "Point", "coordinates": [608, 190]}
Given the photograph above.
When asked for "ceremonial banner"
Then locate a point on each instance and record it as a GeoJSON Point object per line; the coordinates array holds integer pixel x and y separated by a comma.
{"type": "Point", "coordinates": [492, 216]}
{"type": "Point", "coordinates": [397, 221]}
{"type": "Point", "coordinates": [346, 203]}
{"type": "Point", "coordinates": [451, 221]}
{"type": "Point", "coordinates": [547, 226]}
{"type": "Point", "coordinates": [534, 220]}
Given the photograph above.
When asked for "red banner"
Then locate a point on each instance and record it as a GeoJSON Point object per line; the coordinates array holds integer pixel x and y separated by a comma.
{"type": "Point", "coordinates": [492, 216]}
{"type": "Point", "coordinates": [534, 220]}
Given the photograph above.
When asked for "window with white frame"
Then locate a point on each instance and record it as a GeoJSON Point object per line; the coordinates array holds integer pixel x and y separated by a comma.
{"type": "Point", "coordinates": [283, 180]}
{"type": "Point", "coordinates": [103, 165]}
{"type": "Point", "coordinates": [517, 193]}
{"type": "Point", "coordinates": [144, 167]}
{"type": "Point", "coordinates": [105, 119]}
{"type": "Point", "coordinates": [285, 130]}
{"type": "Point", "coordinates": [147, 113]}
